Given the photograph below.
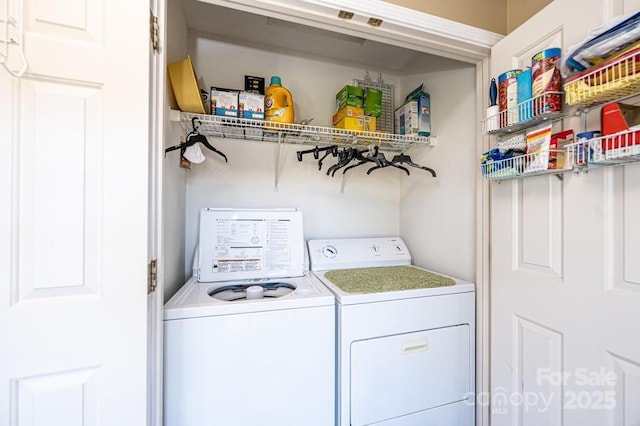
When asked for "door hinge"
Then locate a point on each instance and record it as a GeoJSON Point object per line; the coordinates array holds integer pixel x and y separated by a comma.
{"type": "Point", "coordinates": [152, 274]}
{"type": "Point", "coordinates": [155, 31]}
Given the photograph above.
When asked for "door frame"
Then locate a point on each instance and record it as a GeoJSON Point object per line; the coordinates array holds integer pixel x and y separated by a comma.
{"type": "Point", "coordinates": [155, 302]}
{"type": "Point", "coordinates": [402, 27]}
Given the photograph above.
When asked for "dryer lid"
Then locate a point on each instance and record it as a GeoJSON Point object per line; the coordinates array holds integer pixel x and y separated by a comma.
{"type": "Point", "coordinates": [250, 243]}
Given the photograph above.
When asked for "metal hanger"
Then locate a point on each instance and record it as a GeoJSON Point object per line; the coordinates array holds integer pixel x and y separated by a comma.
{"type": "Point", "coordinates": [193, 138]}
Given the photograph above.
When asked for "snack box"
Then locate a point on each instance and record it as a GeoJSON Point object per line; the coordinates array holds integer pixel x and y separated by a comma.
{"type": "Point", "coordinates": [251, 106]}
{"type": "Point", "coordinates": [350, 123]}
{"type": "Point", "coordinates": [616, 118]}
{"type": "Point", "coordinates": [224, 102]}
{"type": "Point", "coordinates": [347, 111]}
{"type": "Point", "coordinates": [350, 96]}
{"type": "Point", "coordinates": [558, 155]}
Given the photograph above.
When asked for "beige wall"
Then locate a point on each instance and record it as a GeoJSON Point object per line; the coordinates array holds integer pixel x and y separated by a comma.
{"type": "Point", "coordinates": [499, 16]}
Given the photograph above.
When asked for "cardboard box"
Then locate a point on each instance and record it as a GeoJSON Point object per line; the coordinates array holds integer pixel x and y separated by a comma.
{"type": "Point", "coordinates": [350, 123]}
{"type": "Point", "coordinates": [224, 102]}
{"type": "Point", "coordinates": [616, 118]}
{"type": "Point", "coordinates": [558, 155]}
{"type": "Point", "coordinates": [251, 106]}
{"type": "Point", "coordinates": [372, 102]}
{"type": "Point", "coordinates": [414, 118]}
{"type": "Point", "coordinates": [350, 96]}
{"type": "Point", "coordinates": [348, 111]}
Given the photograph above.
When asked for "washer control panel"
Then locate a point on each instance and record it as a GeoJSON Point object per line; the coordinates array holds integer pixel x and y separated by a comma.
{"type": "Point", "coordinates": [357, 253]}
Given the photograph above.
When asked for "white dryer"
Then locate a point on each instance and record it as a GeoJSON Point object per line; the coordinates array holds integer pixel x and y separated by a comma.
{"type": "Point", "coordinates": [250, 339]}
{"type": "Point", "coordinates": [406, 336]}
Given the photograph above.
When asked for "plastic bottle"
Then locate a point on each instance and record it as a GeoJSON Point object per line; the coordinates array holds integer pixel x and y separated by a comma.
{"type": "Point", "coordinates": [278, 103]}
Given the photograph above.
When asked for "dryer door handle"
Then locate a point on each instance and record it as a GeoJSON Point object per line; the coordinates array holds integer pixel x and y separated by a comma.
{"type": "Point", "coordinates": [415, 346]}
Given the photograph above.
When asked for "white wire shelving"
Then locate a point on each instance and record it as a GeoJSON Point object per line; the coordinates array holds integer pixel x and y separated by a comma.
{"type": "Point", "coordinates": [613, 80]}
{"type": "Point", "coordinates": [611, 150]}
{"type": "Point", "coordinates": [546, 107]}
{"type": "Point", "coordinates": [262, 131]}
{"type": "Point", "coordinates": [526, 165]}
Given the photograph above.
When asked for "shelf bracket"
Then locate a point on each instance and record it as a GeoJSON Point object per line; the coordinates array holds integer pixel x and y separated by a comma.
{"type": "Point", "coordinates": [277, 162]}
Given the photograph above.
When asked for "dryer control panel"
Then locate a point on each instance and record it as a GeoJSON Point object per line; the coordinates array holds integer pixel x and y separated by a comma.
{"type": "Point", "coordinates": [357, 253]}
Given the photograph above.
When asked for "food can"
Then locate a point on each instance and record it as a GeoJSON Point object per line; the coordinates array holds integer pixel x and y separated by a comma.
{"type": "Point", "coordinates": [585, 149]}
{"type": "Point", "coordinates": [546, 81]}
{"type": "Point", "coordinates": [508, 97]}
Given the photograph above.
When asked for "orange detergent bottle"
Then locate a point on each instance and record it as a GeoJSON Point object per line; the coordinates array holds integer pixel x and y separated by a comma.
{"type": "Point", "coordinates": [278, 103]}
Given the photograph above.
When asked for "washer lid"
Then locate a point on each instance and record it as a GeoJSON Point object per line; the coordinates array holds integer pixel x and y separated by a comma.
{"type": "Point", "coordinates": [245, 244]}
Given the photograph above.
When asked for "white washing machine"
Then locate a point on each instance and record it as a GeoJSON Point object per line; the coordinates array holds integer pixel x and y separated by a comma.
{"type": "Point", "coordinates": [250, 339]}
{"type": "Point", "coordinates": [406, 336]}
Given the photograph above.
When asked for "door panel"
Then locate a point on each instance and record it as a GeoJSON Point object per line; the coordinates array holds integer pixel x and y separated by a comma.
{"type": "Point", "coordinates": [73, 216]}
{"type": "Point", "coordinates": [564, 273]}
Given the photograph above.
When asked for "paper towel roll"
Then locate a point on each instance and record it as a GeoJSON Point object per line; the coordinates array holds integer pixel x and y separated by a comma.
{"type": "Point", "coordinates": [493, 114]}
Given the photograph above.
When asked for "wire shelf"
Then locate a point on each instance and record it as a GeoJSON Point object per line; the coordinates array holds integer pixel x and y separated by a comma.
{"type": "Point", "coordinates": [537, 110]}
{"type": "Point", "coordinates": [613, 80]}
{"type": "Point", "coordinates": [611, 150]}
{"type": "Point", "coordinates": [526, 165]}
{"type": "Point", "coordinates": [257, 130]}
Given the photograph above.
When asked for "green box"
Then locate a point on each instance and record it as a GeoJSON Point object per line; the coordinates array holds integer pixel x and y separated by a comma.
{"type": "Point", "coordinates": [350, 96]}
{"type": "Point", "coordinates": [373, 102]}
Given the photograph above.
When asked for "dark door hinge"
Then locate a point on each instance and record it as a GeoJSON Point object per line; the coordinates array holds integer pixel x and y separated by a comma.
{"type": "Point", "coordinates": [155, 31]}
{"type": "Point", "coordinates": [152, 275]}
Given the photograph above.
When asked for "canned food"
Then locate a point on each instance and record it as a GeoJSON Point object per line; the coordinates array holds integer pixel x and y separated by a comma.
{"type": "Point", "coordinates": [508, 97]}
{"type": "Point", "coordinates": [545, 77]}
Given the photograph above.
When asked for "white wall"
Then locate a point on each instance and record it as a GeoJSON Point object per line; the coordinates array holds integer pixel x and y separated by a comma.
{"type": "Point", "coordinates": [437, 216]}
{"type": "Point", "coordinates": [174, 178]}
{"type": "Point", "coordinates": [369, 205]}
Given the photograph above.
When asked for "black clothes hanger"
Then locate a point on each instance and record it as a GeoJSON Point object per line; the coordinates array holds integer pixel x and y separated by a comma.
{"type": "Point", "coordinates": [351, 154]}
{"type": "Point", "coordinates": [193, 138]}
{"type": "Point", "coordinates": [328, 150]}
{"type": "Point", "coordinates": [405, 159]}
{"type": "Point", "coordinates": [382, 162]}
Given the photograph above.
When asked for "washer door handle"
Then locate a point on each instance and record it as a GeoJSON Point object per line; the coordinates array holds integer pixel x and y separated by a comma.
{"type": "Point", "coordinates": [415, 346]}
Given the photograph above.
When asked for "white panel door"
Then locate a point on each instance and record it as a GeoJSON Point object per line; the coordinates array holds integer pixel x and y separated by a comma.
{"type": "Point", "coordinates": [565, 282]}
{"type": "Point", "coordinates": [73, 216]}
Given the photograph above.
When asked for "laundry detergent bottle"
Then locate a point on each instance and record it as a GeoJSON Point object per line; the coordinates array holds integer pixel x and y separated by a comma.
{"type": "Point", "coordinates": [278, 103]}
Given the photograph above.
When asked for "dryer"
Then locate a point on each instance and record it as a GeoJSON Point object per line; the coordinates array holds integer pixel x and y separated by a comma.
{"type": "Point", "coordinates": [250, 338]}
{"type": "Point", "coordinates": [406, 335]}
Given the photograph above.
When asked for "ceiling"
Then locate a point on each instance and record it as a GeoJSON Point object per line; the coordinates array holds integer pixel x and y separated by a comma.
{"type": "Point", "coordinates": [238, 27]}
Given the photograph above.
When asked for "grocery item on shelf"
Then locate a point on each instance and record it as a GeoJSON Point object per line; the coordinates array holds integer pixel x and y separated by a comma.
{"type": "Point", "coordinates": [617, 117]}
{"type": "Point", "coordinates": [350, 123]}
{"type": "Point", "coordinates": [558, 156]}
{"type": "Point", "coordinates": [224, 102]}
{"type": "Point", "coordinates": [538, 142]}
{"type": "Point", "coordinates": [372, 102]}
{"type": "Point", "coordinates": [350, 96]}
{"type": "Point", "coordinates": [347, 111]}
{"type": "Point", "coordinates": [546, 78]}
{"type": "Point", "coordinates": [584, 149]}
{"type": "Point", "coordinates": [251, 106]}
{"type": "Point", "coordinates": [278, 103]}
{"type": "Point", "coordinates": [525, 107]}
{"type": "Point", "coordinates": [602, 44]}
{"type": "Point", "coordinates": [508, 97]}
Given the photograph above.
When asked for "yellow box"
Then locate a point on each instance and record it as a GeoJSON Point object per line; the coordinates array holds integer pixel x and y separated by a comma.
{"type": "Point", "coordinates": [350, 123]}
{"type": "Point", "coordinates": [185, 86]}
{"type": "Point", "coordinates": [369, 123]}
{"type": "Point", "coordinates": [348, 111]}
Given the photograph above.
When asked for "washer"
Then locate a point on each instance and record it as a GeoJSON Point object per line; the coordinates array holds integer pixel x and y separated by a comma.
{"type": "Point", "coordinates": [405, 351]}
{"type": "Point", "coordinates": [250, 338]}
